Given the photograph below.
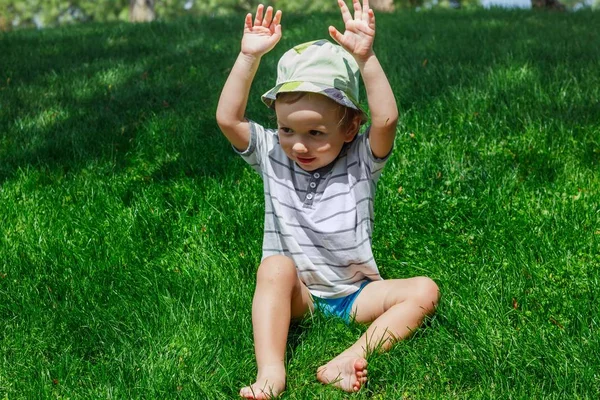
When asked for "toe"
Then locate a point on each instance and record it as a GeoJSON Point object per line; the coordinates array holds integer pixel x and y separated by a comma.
{"type": "Point", "coordinates": [246, 393]}
{"type": "Point", "coordinates": [249, 393]}
{"type": "Point", "coordinates": [360, 364]}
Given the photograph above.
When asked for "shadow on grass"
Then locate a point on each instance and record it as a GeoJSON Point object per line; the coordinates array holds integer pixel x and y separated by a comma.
{"type": "Point", "coordinates": [120, 95]}
{"type": "Point", "coordinates": [129, 95]}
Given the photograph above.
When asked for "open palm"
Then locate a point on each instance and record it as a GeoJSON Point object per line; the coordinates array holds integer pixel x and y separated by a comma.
{"type": "Point", "coordinates": [260, 37]}
{"type": "Point", "coordinates": [359, 32]}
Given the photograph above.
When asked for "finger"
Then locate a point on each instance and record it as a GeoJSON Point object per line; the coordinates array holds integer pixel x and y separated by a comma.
{"type": "Point", "coordinates": [277, 19]}
{"type": "Point", "coordinates": [357, 10]}
{"type": "Point", "coordinates": [371, 19]}
{"type": "Point", "coordinates": [276, 23]}
{"type": "Point", "coordinates": [336, 35]}
{"type": "Point", "coordinates": [248, 22]}
{"type": "Point", "coordinates": [365, 10]}
{"type": "Point", "coordinates": [259, 15]}
{"type": "Point", "coordinates": [268, 17]}
{"type": "Point", "coordinates": [346, 16]}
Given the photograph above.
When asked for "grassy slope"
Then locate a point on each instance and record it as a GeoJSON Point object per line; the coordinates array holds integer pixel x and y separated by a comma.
{"type": "Point", "coordinates": [130, 232]}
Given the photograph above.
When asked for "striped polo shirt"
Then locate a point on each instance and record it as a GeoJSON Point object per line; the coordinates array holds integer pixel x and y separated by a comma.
{"type": "Point", "coordinates": [322, 219]}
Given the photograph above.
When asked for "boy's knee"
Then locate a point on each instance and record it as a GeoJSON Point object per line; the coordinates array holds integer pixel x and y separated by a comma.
{"type": "Point", "coordinates": [278, 270]}
{"type": "Point", "coordinates": [427, 294]}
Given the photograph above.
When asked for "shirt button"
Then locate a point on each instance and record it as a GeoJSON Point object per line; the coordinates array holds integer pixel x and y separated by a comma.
{"type": "Point", "coordinates": [317, 175]}
{"type": "Point", "coordinates": [309, 196]}
{"type": "Point", "coordinates": [313, 185]}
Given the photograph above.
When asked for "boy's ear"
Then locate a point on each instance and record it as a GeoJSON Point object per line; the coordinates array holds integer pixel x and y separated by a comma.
{"type": "Point", "coordinates": [352, 129]}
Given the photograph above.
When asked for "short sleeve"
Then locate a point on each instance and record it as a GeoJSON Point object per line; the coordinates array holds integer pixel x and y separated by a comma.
{"type": "Point", "coordinates": [374, 164]}
{"type": "Point", "coordinates": [261, 142]}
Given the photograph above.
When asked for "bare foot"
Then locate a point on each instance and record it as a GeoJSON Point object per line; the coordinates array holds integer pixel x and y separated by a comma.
{"type": "Point", "coordinates": [269, 384]}
{"type": "Point", "coordinates": [346, 371]}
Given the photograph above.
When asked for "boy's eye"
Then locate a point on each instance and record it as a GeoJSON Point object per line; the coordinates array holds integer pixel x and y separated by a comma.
{"type": "Point", "coordinates": [315, 133]}
{"type": "Point", "coordinates": [283, 129]}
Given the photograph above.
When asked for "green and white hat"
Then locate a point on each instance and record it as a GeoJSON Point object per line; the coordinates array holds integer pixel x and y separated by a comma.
{"type": "Point", "coordinates": [318, 67]}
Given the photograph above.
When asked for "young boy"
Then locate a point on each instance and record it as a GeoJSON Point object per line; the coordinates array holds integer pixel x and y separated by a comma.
{"type": "Point", "coordinates": [319, 180]}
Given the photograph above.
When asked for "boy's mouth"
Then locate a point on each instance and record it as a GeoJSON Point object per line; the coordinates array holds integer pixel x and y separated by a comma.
{"type": "Point", "coordinates": [305, 160]}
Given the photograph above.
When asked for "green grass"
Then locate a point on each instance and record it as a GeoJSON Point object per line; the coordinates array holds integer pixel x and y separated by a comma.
{"type": "Point", "coordinates": [130, 232]}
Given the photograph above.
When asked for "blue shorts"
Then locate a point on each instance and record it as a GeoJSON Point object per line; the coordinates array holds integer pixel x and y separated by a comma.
{"type": "Point", "coordinates": [340, 307]}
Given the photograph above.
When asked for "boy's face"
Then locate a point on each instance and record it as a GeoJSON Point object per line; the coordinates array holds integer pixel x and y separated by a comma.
{"type": "Point", "coordinates": [310, 132]}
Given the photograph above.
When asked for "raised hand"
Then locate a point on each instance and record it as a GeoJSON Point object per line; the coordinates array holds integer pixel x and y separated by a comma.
{"type": "Point", "coordinates": [262, 35]}
{"type": "Point", "coordinates": [359, 32]}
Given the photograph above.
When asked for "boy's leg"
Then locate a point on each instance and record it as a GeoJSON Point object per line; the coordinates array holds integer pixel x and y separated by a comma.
{"type": "Point", "coordinates": [279, 296]}
{"type": "Point", "coordinates": [396, 308]}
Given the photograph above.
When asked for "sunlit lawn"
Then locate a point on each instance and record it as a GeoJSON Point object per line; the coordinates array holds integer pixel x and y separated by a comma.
{"type": "Point", "coordinates": [130, 232]}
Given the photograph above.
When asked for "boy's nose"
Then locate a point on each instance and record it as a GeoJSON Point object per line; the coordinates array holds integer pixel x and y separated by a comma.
{"type": "Point", "coordinates": [299, 148]}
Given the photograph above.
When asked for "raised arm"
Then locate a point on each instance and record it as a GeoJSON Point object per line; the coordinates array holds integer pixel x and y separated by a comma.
{"type": "Point", "coordinates": [259, 38]}
{"type": "Point", "coordinates": [358, 39]}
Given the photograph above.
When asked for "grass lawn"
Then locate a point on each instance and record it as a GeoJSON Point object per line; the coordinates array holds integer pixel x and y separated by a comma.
{"type": "Point", "coordinates": [130, 232]}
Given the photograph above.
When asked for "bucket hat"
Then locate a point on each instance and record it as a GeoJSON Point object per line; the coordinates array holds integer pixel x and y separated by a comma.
{"type": "Point", "coordinates": [318, 67]}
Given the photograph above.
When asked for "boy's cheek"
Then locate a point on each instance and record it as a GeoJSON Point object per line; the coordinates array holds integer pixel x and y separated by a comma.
{"type": "Point", "coordinates": [285, 146]}
{"type": "Point", "coordinates": [324, 147]}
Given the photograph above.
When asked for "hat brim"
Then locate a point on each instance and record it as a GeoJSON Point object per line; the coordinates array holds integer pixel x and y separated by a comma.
{"type": "Point", "coordinates": [311, 87]}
